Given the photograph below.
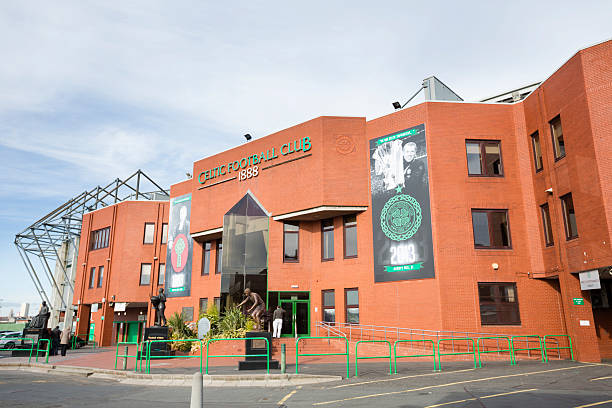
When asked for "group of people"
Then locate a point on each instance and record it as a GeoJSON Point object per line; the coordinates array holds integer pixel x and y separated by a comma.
{"type": "Point", "coordinates": [59, 340]}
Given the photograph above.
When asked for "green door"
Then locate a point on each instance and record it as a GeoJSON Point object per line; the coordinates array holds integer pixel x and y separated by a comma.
{"type": "Point", "coordinates": [132, 332]}
{"type": "Point", "coordinates": [296, 321]}
{"type": "Point", "coordinates": [92, 334]}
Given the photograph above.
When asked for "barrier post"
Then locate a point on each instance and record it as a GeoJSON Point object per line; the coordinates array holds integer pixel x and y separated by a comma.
{"type": "Point", "coordinates": [433, 347]}
{"type": "Point", "coordinates": [357, 358]}
{"type": "Point", "coordinates": [126, 355]}
{"type": "Point", "coordinates": [283, 362]}
{"type": "Point", "coordinates": [554, 336]}
{"type": "Point", "coordinates": [267, 355]}
{"type": "Point", "coordinates": [297, 353]}
{"type": "Point", "coordinates": [46, 350]}
{"type": "Point", "coordinates": [497, 350]}
{"type": "Point", "coordinates": [528, 349]}
{"type": "Point", "coordinates": [456, 353]}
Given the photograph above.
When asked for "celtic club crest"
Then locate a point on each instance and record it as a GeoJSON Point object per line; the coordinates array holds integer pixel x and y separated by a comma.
{"type": "Point", "coordinates": [400, 218]}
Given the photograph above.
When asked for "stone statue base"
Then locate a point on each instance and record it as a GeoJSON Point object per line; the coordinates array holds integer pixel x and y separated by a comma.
{"type": "Point", "coordinates": [257, 347]}
{"type": "Point", "coordinates": [35, 335]}
{"type": "Point", "coordinates": [157, 349]}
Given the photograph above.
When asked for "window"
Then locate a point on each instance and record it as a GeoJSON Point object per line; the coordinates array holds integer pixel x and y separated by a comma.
{"type": "Point", "coordinates": [161, 276]}
{"type": "Point", "coordinates": [219, 256]}
{"type": "Point", "coordinates": [164, 236]}
{"type": "Point", "coordinates": [92, 277]}
{"type": "Point", "coordinates": [149, 233]}
{"type": "Point", "coordinates": [100, 276]}
{"type": "Point", "coordinates": [203, 305]}
{"type": "Point", "coordinates": [484, 158]}
{"type": "Point", "coordinates": [187, 313]}
{"type": "Point", "coordinates": [217, 303]}
{"type": "Point", "coordinates": [291, 233]}
{"type": "Point", "coordinates": [569, 217]}
{"type": "Point", "coordinates": [557, 137]}
{"type": "Point", "coordinates": [145, 274]}
{"type": "Point", "coordinates": [548, 234]}
{"type": "Point", "coordinates": [99, 238]}
{"type": "Point", "coordinates": [498, 303]}
{"type": "Point", "coordinates": [537, 151]}
{"type": "Point", "coordinates": [327, 239]}
{"type": "Point", "coordinates": [491, 228]}
{"type": "Point", "coordinates": [206, 258]}
{"type": "Point", "coordinates": [350, 236]}
{"type": "Point", "coordinates": [329, 306]}
{"type": "Point", "coordinates": [351, 301]}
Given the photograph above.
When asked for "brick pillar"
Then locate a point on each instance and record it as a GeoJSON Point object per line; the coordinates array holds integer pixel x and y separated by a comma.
{"type": "Point", "coordinates": [83, 315]}
{"type": "Point", "coordinates": [105, 332]}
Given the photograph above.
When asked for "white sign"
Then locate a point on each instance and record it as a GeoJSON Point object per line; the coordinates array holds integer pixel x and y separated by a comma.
{"type": "Point", "coordinates": [120, 307]}
{"type": "Point", "coordinates": [94, 308]}
{"type": "Point", "coordinates": [589, 280]}
{"type": "Point", "coordinates": [203, 327]}
{"type": "Point", "coordinates": [142, 318]}
{"type": "Point", "coordinates": [585, 323]}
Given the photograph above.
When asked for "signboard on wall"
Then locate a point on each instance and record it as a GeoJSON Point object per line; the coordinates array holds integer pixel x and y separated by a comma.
{"type": "Point", "coordinates": [401, 214]}
{"type": "Point", "coordinates": [589, 280]}
{"type": "Point", "coordinates": [179, 248]}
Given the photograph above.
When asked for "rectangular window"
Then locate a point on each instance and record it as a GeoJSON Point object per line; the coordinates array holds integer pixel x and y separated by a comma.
{"type": "Point", "coordinates": [484, 158]}
{"type": "Point", "coordinates": [219, 256]}
{"type": "Point", "coordinates": [99, 238]}
{"type": "Point", "coordinates": [203, 305]}
{"type": "Point", "coordinates": [291, 241]}
{"type": "Point", "coordinates": [206, 257]}
{"type": "Point", "coordinates": [351, 301]}
{"type": "Point", "coordinates": [498, 304]}
{"type": "Point", "coordinates": [329, 306]}
{"type": "Point", "coordinates": [548, 233]}
{"type": "Point", "coordinates": [92, 277]}
{"type": "Point", "coordinates": [164, 237]}
{"type": "Point", "coordinates": [327, 240]}
{"type": "Point", "coordinates": [557, 137]}
{"type": "Point", "coordinates": [491, 229]}
{"type": "Point", "coordinates": [161, 276]}
{"type": "Point", "coordinates": [100, 276]}
{"type": "Point", "coordinates": [149, 233]}
{"type": "Point", "coordinates": [145, 274]}
{"type": "Point", "coordinates": [569, 217]}
{"type": "Point", "coordinates": [217, 301]}
{"type": "Point", "coordinates": [537, 151]}
{"type": "Point", "coordinates": [350, 236]}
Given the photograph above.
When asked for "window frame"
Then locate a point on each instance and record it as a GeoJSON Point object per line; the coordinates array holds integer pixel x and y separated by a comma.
{"type": "Point", "coordinates": [200, 311]}
{"type": "Point", "coordinates": [549, 238]}
{"type": "Point", "coordinates": [164, 236]}
{"type": "Point", "coordinates": [206, 250]}
{"type": "Point", "coordinates": [217, 303]}
{"type": "Point", "coordinates": [352, 306]}
{"type": "Point", "coordinates": [323, 307]}
{"type": "Point", "coordinates": [566, 224]}
{"type": "Point", "coordinates": [285, 232]}
{"type": "Point", "coordinates": [536, 136]}
{"type": "Point", "coordinates": [144, 235]}
{"type": "Point", "coordinates": [344, 230]}
{"type": "Point", "coordinates": [219, 256]}
{"type": "Point", "coordinates": [161, 282]}
{"type": "Point", "coordinates": [100, 276]}
{"type": "Point", "coordinates": [516, 303]}
{"type": "Point", "coordinates": [490, 211]}
{"type": "Point", "coordinates": [140, 276]}
{"type": "Point", "coordinates": [554, 138]}
{"type": "Point", "coordinates": [92, 277]}
{"type": "Point", "coordinates": [99, 239]}
{"type": "Point", "coordinates": [482, 143]}
{"type": "Point", "coordinates": [323, 231]}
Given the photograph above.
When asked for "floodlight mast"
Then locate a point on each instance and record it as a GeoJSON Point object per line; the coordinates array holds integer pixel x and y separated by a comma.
{"type": "Point", "coordinates": [397, 105]}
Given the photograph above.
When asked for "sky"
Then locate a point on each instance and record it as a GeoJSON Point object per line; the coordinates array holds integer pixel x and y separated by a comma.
{"type": "Point", "coordinates": [91, 91]}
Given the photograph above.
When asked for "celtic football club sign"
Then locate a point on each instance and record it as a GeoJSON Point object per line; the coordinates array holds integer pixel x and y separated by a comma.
{"type": "Point", "coordinates": [179, 248]}
{"type": "Point", "coordinates": [401, 215]}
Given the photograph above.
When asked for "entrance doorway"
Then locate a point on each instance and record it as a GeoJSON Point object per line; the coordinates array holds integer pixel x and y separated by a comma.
{"type": "Point", "coordinates": [296, 321]}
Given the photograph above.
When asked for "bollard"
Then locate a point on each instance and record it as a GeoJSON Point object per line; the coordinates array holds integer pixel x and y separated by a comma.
{"type": "Point", "coordinates": [196, 391]}
{"type": "Point", "coordinates": [125, 352]}
{"type": "Point", "coordinates": [283, 361]}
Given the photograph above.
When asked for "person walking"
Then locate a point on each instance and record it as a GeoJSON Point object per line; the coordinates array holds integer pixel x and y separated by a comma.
{"type": "Point", "coordinates": [277, 322]}
{"type": "Point", "coordinates": [65, 340]}
{"type": "Point", "coordinates": [55, 340]}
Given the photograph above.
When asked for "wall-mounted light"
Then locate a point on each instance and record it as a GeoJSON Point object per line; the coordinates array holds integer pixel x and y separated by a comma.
{"type": "Point", "coordinates": [549, 190]}
{"type": "Point", "coordinates": [495, 266]}
{"type": "Point", "coordinates": [248, 137]}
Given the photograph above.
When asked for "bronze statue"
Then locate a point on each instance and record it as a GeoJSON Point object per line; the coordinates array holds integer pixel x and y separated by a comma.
{"type": "Point", "coordinates": [159, 303]}
{"type": "Point", "coordinates": [40, 320]}
{"type": "Point", "coordinates": [256, 309]}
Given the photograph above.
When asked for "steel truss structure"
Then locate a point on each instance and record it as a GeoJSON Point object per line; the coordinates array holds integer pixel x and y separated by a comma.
{"type": "Point", "coordinates": [53, 240]}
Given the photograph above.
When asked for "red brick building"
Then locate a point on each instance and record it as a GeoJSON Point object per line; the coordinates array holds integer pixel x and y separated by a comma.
{"type": "Point", "coordinates": [520, 202]}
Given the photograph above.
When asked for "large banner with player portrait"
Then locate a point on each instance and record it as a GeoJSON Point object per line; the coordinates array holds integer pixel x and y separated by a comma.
{"type": "Point", "coordinates": [401, 214]}
{"type": "Point", "coordinates": [180, 248]}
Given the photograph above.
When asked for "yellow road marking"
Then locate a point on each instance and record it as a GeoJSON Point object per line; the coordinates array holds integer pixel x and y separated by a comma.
{"type": "Point", "coordinates": [428, 387]}
{"type": "Point", "coordinates": [401, 378]}
{"type": "Point", "coordinates": [594, 404]}
{"type": "Point", "coordinates": [286, 397]}
{"type": "Point", "coordinates": [601, 378]}
{"type": "Point", "coordinates": [486, 396]}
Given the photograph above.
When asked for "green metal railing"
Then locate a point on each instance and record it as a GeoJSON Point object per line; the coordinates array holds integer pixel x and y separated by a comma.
{"type": "Point", "coordinates": [46, 350]}
{"type": "Point", "coordinates": [514, 349]}
{"type": "Point", "coordinates": [357, 358]}
{"type": "Point", "coordinates": [127, 343]}
{"type": "Point", "coordinates": [456, 353]}
{"type": "Point", "coordinates": [395, 356]}
{"type": "Point", "coordinates": [21, 340]}
{"type": "Point", "coordinates": [149, 356]}
{"type": "Point", "coordinates": [267, 355]}
{"type": "Point", "coordinates": [558, 348]}
{"type": "Point", "coordinates": [497, 350]}
{"type": "Point", "coordinates": [297, 352]}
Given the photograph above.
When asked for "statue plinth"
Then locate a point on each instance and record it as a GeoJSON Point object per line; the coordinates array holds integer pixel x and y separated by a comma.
{"type": "Point", "coordinates": [157, 333]}
{"type": "Point", "coordinates": [35, 335]}
{"type": "Point", "coordinates": [257, 346]}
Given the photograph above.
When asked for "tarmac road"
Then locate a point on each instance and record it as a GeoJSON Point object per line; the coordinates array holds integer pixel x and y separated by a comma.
{"type": "Point", "coordinates": [557, 384]}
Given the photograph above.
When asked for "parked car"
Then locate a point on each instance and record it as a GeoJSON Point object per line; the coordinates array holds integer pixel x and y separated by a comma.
{"type": "Point", "coordinates": [9, 340]}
